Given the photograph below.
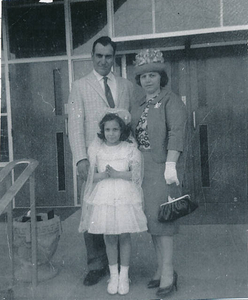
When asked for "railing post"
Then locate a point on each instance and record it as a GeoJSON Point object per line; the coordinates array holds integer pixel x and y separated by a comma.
{"type": "Point", "coordinates": [6, 201]}
{"type": "Point", "coordinates": [10, 230]}
{"type": "Point", "coordinates": [33, 231]}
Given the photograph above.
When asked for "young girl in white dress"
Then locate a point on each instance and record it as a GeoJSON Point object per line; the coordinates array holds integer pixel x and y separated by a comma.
{"type": "Point", "coordinates": [112, 201]}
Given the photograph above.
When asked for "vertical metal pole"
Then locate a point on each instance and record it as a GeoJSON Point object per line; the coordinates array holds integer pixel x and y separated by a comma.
{"type": "Point", "coordinates": [0, 60]}
{"type": "Point", "coordinates": [153, 17]}
{"type": "Point", "coordinates": [33, 231]}
{"type": "Point", "coordinates": [10, 231]}
{"type": "Point", "coordinates": [69, 52]}
{"type": "Point", "coordinates": [68, 35]}
{"type": "Point", "coordinates": [110, 18]}
{"type": "Point", "coordinates": [124, 66]}
{"type": "Point", "coordinates": [221, 13]}
{"type": "Point", "coordinates": [7, 80]}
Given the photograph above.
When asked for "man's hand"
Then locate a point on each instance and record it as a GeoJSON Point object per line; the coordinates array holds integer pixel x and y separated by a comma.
{"type": "Point", "coordinates": [83, 168]}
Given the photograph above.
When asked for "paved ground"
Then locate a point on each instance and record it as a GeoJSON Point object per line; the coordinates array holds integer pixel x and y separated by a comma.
{"type": "Point", "coordinates": [211, 261]}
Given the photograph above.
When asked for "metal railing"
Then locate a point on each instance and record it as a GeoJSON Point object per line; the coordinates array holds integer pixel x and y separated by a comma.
{"type": "Point", "coordinates": [6, 205]}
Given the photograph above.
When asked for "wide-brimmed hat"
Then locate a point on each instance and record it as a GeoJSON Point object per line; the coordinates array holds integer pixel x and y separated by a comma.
{"type": "Point", "coordinates": [149, 60]}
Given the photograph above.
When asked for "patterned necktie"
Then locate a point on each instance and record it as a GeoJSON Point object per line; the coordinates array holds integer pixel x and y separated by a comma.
{"type": "Point", "coordinates": [108, 93]}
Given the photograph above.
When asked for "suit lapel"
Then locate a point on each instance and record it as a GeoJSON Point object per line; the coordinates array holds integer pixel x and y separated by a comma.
{"type": "Point", "coordinates": [160, 97]}
{"type": "Point", "coordinates": [93, 82]}
{"type": "Point", "coordinates": [139, 109]}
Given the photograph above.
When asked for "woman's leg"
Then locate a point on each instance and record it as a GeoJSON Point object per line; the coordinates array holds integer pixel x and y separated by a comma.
{"type": "Point", "coordinates": [166, 245]}
{"type": "Point", "coordinates": [158, 251]}
{"type": "Point", "coordinates": [111, 242]}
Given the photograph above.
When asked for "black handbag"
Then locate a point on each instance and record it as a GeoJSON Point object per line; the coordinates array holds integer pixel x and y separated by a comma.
{"type": "Point", "coordinates": [177, 208]}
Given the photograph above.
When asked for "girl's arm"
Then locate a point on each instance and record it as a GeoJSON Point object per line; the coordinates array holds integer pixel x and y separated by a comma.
{"type": "Point", "coordinates": [99, 176]}
{"type": "Point", "coordinates": [126, 175]}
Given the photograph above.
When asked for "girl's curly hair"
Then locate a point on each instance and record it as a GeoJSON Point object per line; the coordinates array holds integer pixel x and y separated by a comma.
{"type": "Point", "coordinates": [125, 129]}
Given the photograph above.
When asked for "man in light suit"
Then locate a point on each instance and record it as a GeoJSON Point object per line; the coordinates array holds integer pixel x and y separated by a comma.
{"type": "Point", "coordinates": [86, 104]}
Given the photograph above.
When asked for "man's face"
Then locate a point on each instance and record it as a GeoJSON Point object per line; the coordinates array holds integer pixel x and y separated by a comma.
{"type": "Point", "coordinates": [103, 59]}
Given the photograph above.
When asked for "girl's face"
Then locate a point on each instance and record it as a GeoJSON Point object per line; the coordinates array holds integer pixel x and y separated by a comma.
{"type": "Point", "coordinates": [150, 82]}
{"type": "Point", "coordinates": [112, 133]}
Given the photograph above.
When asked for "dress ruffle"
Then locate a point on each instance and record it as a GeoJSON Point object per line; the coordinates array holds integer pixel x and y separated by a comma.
{"type": "Point", "coordinates": [109, 219]}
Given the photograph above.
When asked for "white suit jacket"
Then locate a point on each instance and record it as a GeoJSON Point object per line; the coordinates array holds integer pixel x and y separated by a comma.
{"type": "Point", "coordinates": [86, 104]}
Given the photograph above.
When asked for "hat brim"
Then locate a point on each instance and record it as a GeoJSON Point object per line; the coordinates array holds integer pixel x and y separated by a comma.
{"type": "Point", "coordinates": [151, 67]}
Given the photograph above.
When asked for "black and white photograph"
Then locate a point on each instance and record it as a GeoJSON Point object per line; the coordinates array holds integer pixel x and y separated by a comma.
{"type": "Point", "coordinates": [124, 150]}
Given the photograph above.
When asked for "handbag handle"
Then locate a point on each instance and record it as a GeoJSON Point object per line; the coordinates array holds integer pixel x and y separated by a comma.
{"type": "Point", "coordinates": [174, 191]}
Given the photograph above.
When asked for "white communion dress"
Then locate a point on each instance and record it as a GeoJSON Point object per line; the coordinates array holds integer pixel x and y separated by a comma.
{"type": "Point", "coordinates": [113, 206]}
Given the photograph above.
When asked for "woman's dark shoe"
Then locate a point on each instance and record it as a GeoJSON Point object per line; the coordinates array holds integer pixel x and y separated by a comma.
{"type": "Point", "coordinates": [153, 283]}
{"type": "Point", "coordinates": [161, 292]}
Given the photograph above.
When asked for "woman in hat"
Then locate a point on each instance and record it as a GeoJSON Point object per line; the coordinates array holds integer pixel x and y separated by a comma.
{"type": "Point", "coordinates": [158, 123]}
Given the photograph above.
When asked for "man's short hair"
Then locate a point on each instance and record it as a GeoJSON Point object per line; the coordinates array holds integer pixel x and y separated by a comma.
{"type": "Point", "coordinates": [105, 41]}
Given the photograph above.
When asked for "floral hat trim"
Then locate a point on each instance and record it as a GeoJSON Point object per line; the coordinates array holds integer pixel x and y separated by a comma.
{"type": "Point", "coordinates": [148, 56]}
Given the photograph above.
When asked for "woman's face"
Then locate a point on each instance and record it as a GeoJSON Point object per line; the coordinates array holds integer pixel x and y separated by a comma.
{"type": "Point", "coordinates": [150, 82]}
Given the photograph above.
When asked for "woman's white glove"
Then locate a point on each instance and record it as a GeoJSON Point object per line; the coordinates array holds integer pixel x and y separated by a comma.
{"type": "Point", "coordinates": [170, 173]}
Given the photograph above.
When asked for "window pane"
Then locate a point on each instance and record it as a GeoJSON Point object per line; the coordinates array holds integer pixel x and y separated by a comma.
{"type": "Point", "coordinates": [36, 31]}
{"type": "Point", "coordinates": [82, 68]}
{"type": "Point", "coordinates": [132, 17]}
{"type": "Point", "coordinates": [25, 2]}
{"type": "Point", "coordinates": [235, 12]}
{"type": "Point", "coordinates": [3, 93]}
{"type": "Point", "coordinates": [178, 15]}
{"type": "Point", "coordinates": [89, 21]}
{"type": "Point", "coordinates": [4, 148]}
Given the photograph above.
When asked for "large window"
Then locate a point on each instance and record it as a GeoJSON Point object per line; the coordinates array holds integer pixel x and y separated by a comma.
{"type": "Point", "coordinates": [89, 21]}
{"type": "Point", "coordinates": [177, 15]}
{"type": "Point", "coordinates": [36, 31]}
{"type": "Point", "coordinates": [235, 12]}
{"type": "Point", "coordinates": [132, 17]}
{"type": "Point", "coordinates": [146, 17]}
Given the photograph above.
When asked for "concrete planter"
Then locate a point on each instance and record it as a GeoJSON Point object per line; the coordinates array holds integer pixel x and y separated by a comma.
{"type": "Point", "coordinates": [48, 235]}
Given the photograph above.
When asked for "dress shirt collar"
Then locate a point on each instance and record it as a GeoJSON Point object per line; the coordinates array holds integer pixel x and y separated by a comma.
{"type": "Point", "coordinates": [100, 77]}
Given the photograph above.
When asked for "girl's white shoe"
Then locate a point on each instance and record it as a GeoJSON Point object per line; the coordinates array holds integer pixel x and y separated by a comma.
{"type": "Point", "coordinates": [123, 285]}
{"type": "Point", "coordinates": [113, 284]}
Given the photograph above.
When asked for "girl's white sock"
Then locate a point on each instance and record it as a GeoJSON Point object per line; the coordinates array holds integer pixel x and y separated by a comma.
{"type": "Point", "coordinates": [123, 286]}
{"type": "Point", "coordinates": [113, 281]}
{"type": "Point", "coordinates": [113, 269]}
{"type": "Point", "coordinates": [124, 272]}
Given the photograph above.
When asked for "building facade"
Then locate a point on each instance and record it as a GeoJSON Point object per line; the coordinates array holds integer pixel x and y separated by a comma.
{"type": "Point", "coordinates": [45, 46]}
